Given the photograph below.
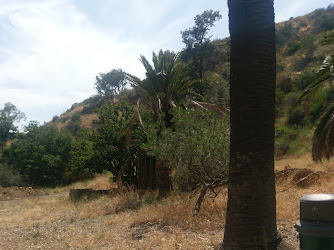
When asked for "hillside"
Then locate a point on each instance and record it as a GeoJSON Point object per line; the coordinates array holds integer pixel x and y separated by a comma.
{"type": "Point", "coordinates": [155, 171]}
{"type": "Point", "coordinates": [302, 45]}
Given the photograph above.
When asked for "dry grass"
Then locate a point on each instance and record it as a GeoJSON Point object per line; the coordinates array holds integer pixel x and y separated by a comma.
{"type": "Point", "coordinates": [138, 220]}
{"type": "Point", "coordinates": [87, 120]}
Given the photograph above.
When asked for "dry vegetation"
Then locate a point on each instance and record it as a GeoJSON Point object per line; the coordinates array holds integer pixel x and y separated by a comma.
{"type": "Point", "coordinates": [135, 220]}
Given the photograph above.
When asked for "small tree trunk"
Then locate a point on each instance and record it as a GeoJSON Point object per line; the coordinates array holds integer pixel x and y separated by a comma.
{"type": "Point", "coordinates": [146, 171]}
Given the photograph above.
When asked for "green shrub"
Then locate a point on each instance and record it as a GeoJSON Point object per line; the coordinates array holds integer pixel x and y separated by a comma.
{"type": "Point", "coordinates": [198, 143]}
{"type": "Point", "coordinates": [10, 177]}
{"type": "Point", "coordinates": [41, 154]}
{"type": "Point", "coordinates": [304, 79]}
{"type": "Point", "coordinates": [280, 64]}
{"type": "Point", "coordinates": [296, 117]}
{"type": "Point", "coordinates": [80, 166]}
{"type": "Point", "coordinates": [328, 39]}
{"type": "Point", "coordinates": [284, 82]}
{"type": "Point", "coordinates": [64, 119]}
{"type": "Point", "coordinates": [279, 100]}
{"type": "Point", "coordinates": [293, 47]}
{"type": "Point", "coordinates": [318, 103]}
{"type": "Point", "coordinates": [283, 34]}
{"type": "Point", "coordinates": [283, 137]}
{"type": "Point", "coordinates": [75, 124]}
{"type": "Point", "coordinates": [55, 118]}
{"type": "Point", "coordinates": [327, 22]}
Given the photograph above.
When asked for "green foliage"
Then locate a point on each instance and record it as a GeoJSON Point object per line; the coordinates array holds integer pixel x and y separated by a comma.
{"type": "Point", "coordinates": [319, 103]}
{"type": "Point", "coordinates": [9, 176]}
{"type": "Point", "coordinates": [328, 39]}
{"type": "Point", "coordinates": [283, 136]}
{"type": "Point", "coordinates": [64, 119]}
{"type": "Point", "coordinates": [279, 102]}
{"type": "Point", "coordinates": [75, 124]}
{"type": "Point", "coordinates": [41, 154]}
{"type": "Point", "coordinates": [166, 83]}
{"type": "Point", "coordinates": [195, 149]}
{"type": "Point", "coordinates": [307, 42]}
{"type": "Point", "coordinates": [327, 22]}
{"type": "Point", "coordinates": [92, 104]}
{"type": "Point", "coordinates": [323, 143]}
{"type": "Point", "coordinates": [296, 117]}
{"type": "Point", "coordinates": [55, 118]}
{"type": "Point", "coordinates": [197, 35]}
{"type": "Point", "coordinates": [110, 153]}
{"type": "Point", "coordinates": [111, 83]}
{"type": "Point", "coordinates": [197, 43]}
{"type": "Point", "coordinates": [303, 80]}
{"type": "Point", "coordinates": [293, 47]}
{"type": "Point", "coordinates": [280, 64]}
{"type": "Point", "coordinates": [218, 89]}
{"type": "Point", "coordinates": [283, 34]}
{"type": "Point", "coordinates": [284, 82]}
{"type": "Point", "coordinates": [80, 166]}
{"type": "Point", "coordinates": [8, 115]}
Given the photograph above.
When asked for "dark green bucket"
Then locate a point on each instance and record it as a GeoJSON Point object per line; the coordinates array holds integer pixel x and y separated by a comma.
{"type": "Point", "coordinates": [316, 224]}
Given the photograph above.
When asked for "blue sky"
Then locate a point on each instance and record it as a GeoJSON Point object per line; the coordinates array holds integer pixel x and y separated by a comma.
{"type": "Point", "coordinates": [51, 50]}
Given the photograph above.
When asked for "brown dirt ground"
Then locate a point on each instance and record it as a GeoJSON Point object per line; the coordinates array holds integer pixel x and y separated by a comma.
{"type": "Point", "coordinates": [47, 219]}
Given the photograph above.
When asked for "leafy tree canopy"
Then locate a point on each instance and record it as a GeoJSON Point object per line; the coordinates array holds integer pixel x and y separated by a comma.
{"type": "Point", "coordinates": [41, 154]}
{"type": "Point", "coordinates": [197, 35]}
{"type": "Point", "coordinates": [8, 116]}
{"type": "Point", "coordinates": [111, 83]}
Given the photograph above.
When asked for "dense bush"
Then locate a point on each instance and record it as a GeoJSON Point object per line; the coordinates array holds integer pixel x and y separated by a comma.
{"type": "Point", "coordinates": [293, 47]}
{"type": "Point", "coordinates": [80, 166]}
{"type": "Point", "coordinates": [283, 34]}
{"type": "Point", "coordinates": [41, 154]}
{"type": "Point", "coordinates": [296, 116]}
{"type": "Point", "coordinates": [284, 82]}
{"type": "Point", "coordinates": [93, 103]}
{"type": "Point", "coordinates": [217, 91]}
{"type": "Point", "coordinates": [283, 137]}
{"type": "Point", "coordinates": [303, 80]}
{"type": "Point", "coordinates": [318, 104]}
{"type": "Point", "coordinates": [327, 22]}
{"type": "Point", "coordinates": [111, 152]}
{"type": "Point", "coordinates": [75, 124]}
{"type": "Point", "coordinates": [196, 149]}
{"type": "Point", "coordinates": [9, 176]}
{"type": "Point", "coordinates": [279, 100]}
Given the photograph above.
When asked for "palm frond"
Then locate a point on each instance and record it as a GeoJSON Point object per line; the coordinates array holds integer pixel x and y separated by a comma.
{"type": "Point", "coordinates": [324, 74]}
{"type": "Point", "coordinates": [128, 125]}
{"type": "Point", "coordinates": [323, 142]}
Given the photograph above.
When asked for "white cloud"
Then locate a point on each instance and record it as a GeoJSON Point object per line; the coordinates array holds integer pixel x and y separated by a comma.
{"type": "Point", "coordinates": [51, 50]}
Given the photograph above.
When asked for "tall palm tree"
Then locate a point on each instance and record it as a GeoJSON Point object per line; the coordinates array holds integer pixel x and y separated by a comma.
{"type": "Point", "coordinates": [166, 84]}
{"type": "Point", "coordinates": [251, 207]}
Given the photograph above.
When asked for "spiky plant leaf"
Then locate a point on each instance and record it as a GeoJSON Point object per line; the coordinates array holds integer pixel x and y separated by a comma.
{"type": "Point", "coordinates": [323, 142]}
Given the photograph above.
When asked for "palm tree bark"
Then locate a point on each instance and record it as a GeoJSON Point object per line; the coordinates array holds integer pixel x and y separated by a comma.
{"type": "Point", "coordinates": [251, 208]}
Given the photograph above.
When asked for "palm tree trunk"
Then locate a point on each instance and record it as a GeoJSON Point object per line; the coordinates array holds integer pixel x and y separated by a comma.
{"type": "Point", "coordinates": [251, 208]}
